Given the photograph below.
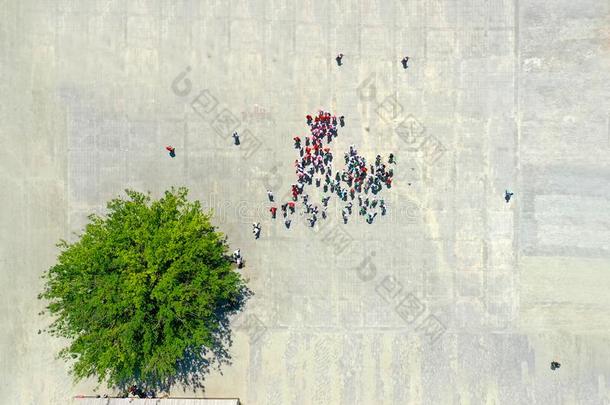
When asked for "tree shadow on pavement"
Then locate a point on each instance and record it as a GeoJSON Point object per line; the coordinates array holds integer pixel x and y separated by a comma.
{"type": "Point", "coordinates": [197, 363]}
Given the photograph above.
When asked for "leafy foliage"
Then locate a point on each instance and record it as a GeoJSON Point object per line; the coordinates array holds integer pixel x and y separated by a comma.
{"type": "Point", "coordinates": [145, 293]}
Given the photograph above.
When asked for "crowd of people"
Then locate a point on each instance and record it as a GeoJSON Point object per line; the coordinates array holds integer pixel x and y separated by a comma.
{"type": "Point", "coordinates": [357, 181]}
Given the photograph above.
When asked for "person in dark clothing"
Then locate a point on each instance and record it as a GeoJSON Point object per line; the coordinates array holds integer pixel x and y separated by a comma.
{"type": "Point", "coordinates": [137, 392]}
{"type": "Point", "coordinates": [339, 59]}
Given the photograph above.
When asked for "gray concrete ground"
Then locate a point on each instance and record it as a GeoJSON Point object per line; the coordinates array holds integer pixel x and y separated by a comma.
{"type": "Point", "coordinates": [454, 298]}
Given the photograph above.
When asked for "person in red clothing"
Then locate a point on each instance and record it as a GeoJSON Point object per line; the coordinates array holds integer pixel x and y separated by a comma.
{"type": "Point", "coordinates": [171, 150]}
{"type": "Point", "coordinates": [273, 210]}
{"type": "Point", "coordinates": [309, 119]}
{"type": "Point", "coordinates": [291, 206]}
{"type": "Point", "coordinates": [297, 142]}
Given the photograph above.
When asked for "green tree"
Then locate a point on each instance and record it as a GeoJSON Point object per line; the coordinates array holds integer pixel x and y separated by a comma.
{"type": "Point", "coordinates": [145, 294]}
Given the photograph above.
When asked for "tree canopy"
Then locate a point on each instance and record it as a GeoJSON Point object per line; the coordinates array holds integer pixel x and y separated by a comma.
{"type": "Point", "coordinates": [144, 294]}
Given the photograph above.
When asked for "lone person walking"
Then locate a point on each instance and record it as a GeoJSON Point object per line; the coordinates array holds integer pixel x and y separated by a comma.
{"type": "Point", "coordinates": [339, 59]}
{"type": "Point", "coordinates": [256, 230]}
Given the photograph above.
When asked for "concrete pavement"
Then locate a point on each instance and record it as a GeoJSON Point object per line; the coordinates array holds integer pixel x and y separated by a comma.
{"type": "Point", "coordinates": [454, 298]}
